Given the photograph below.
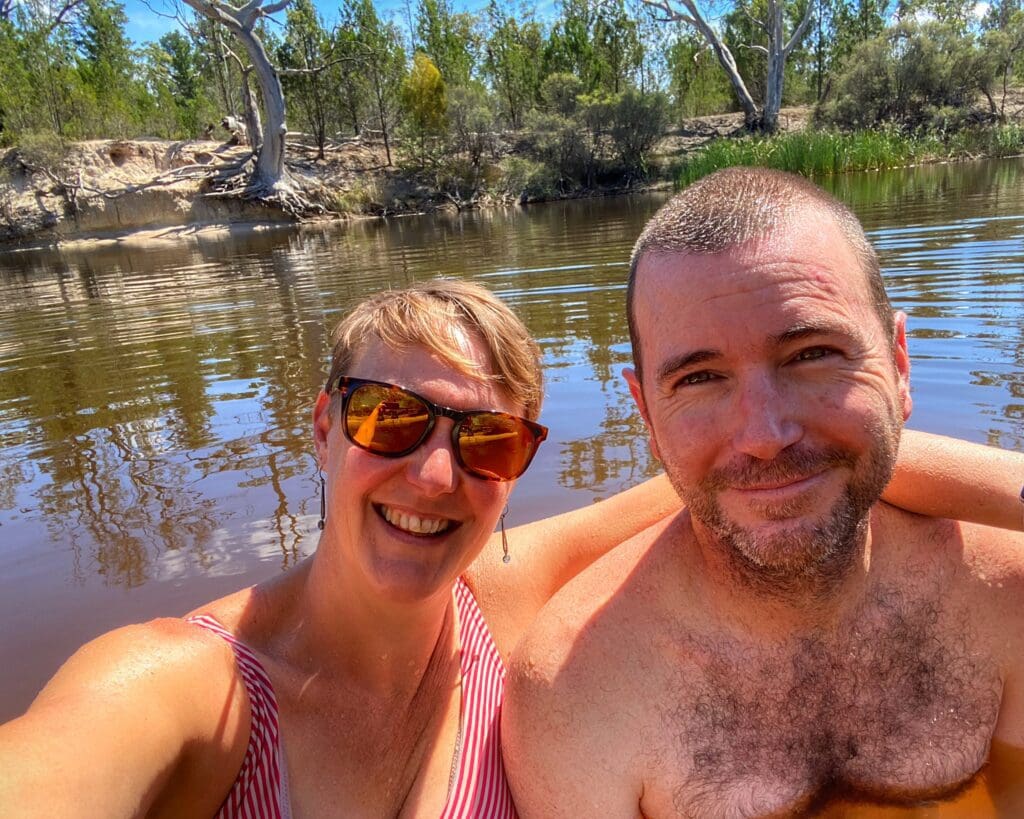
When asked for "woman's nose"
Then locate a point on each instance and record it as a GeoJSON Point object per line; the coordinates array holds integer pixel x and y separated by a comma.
{"type": "Point", "coordinates": [433, 467]}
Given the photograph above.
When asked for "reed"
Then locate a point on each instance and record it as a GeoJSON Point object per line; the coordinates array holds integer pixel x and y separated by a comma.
{"type": "Point", "coordinates": [819, 153]}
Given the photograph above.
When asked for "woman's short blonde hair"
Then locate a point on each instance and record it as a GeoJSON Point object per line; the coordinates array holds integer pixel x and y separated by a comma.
{"type": "Point", "coordinates": [429, 314]}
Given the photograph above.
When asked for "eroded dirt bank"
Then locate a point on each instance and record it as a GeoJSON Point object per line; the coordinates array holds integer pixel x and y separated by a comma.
{"type": "Point", "coordinates": [149, 189]}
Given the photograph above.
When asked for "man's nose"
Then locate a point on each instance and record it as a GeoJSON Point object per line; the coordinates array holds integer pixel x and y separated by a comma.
{"type": "Point", "coordinates": [765, 419]}
{"type": "Point", "coordinates": [433, 468]}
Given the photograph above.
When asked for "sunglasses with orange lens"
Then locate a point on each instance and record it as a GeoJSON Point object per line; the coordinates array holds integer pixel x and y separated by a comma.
{"type": "Point", "coordinates": [391, 421]}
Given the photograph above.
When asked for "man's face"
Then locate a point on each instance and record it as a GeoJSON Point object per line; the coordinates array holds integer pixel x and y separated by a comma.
{"type": "Point", "coordinates": [773, 397]}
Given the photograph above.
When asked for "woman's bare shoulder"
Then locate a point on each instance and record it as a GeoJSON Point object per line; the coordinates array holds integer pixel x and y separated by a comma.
{"type": "Point", "coordinates": [127, 724]}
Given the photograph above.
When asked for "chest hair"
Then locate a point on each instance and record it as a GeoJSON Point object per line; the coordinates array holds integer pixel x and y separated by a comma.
{"type": "Point", "coordinates": [897, 703]}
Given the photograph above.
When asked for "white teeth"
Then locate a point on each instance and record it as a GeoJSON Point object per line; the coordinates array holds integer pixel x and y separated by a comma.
{"type": "Point", "coordinates": [414, 523]}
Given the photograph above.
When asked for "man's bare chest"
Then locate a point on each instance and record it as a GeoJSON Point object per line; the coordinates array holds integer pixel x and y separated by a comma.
{"type": "Point", "coordinates": [898, 705]}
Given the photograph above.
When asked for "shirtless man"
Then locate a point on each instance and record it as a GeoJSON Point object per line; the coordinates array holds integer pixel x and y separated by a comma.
{"type": "Point", "coordinates": [789, 644]}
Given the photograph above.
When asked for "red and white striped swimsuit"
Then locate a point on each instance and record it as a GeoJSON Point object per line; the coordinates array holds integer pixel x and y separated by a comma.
{"type": "Point", "coordinates": [479, 789]}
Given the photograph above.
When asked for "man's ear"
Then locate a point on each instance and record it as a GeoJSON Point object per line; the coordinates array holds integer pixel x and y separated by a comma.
{"type": "Point", "coordinates": [636, 390]}
{"type": "Point", "coordinates": [321, 426]}
{"type": "Point", "coordinates": [901, 356]}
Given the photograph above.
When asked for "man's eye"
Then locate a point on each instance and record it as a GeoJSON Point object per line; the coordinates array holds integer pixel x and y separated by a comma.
{"type": "Point", "coordinates": [813, 354]}
{"type": "Point", "coordinates": [696, 378]}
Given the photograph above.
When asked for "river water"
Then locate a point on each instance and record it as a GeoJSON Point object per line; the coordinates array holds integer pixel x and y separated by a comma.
{"type": "Point", "coordinates": [154, 403]}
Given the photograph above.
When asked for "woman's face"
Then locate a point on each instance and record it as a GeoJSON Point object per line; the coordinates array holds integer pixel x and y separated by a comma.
{"type": "Point", "coordinates": [409, 526]}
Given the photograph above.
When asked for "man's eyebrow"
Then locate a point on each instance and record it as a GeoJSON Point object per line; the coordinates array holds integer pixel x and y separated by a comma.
{"type": "Point", "coordinates": [804, 331]}
{"type": "Point", "coordinates": [684, 360]}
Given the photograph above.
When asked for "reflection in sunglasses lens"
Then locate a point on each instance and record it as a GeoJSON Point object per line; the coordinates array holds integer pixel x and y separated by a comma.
{"type": "Point", "coordinates": [386, 420]}
{"type": "Point", "coordinates": [492, 444]}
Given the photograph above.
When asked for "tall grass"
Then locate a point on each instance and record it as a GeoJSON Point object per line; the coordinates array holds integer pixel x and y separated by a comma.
{"type": "Point", "coordinates": [817, 153]}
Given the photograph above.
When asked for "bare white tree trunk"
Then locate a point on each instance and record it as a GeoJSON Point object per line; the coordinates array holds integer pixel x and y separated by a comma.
{"type": "Point", "coordinates": [693, 17]}
{"type": "Point", "coordinates": [270, 175]}
{"type": "Point", "coordinates": [777, 52]}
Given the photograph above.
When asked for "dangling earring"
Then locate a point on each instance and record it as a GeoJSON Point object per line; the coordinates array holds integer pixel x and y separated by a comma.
{"type": "Point", "coordinates": [504, 540]}
{"type": "Point", "coordinates": [323, 503]}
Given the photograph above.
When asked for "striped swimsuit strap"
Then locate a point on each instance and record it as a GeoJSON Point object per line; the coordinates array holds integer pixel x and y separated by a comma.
{"type": "Point", "coordinates": [259, 786]}
{"type": "Point", "coordinates": [480, 789]}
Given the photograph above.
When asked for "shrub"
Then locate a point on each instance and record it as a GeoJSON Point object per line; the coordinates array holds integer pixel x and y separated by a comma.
{"type": "Point", "coordinates": [637, 122]}
{"type": "Point", "coordinates": [524, 178]}
{"type": "Point", "coordinates": [906, 75]}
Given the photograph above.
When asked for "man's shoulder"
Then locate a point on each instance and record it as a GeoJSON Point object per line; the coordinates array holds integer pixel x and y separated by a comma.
{"type": "Point", "coordinates": [977, 569]}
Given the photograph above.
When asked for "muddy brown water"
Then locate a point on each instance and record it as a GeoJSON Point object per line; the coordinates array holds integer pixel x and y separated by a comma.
{"type": "Point", "coordinates": [154, 403]}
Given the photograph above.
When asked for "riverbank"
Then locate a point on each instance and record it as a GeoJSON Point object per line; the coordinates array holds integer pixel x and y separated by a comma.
{"type": "Point", "coordinates": [144, 190]}
{"type": "Point", "coordinates": [137, 192]}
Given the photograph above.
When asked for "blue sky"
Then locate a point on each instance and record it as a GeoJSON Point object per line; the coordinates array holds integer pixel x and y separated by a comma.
{"type": "Point", "coordinates": [146, 21]}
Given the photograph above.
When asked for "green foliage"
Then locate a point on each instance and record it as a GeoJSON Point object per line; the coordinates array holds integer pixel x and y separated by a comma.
{"type": "Point", "coordinates": [617, 48]}
{"type": "Point", "coordinates": [44, 150]}
{"type": "Point", "coordinates": [907, 75]}
{"type": "Point", "coordinates": [637, 122]}
{"type": "Point", "coordinates": [696, 81]}
{"type": "Point", "coordinates": [560, 144]}
{"type": "Point", "coordinates": [306, 50]}
{"type": "Point", "coordinates": [957, 15]}
{"type": "Point", "coordinates": [105, 67]}
{"type": "Point", "coordinates": [470, 124]}
{"type": "Point", "coordinates": [598, 42]}
{"type": "Point", "coordinates": [173, 76]}
{"type": "Point", "coordinates": [381, 63]}
{"type": "Point", "coordinates": [560, 93]}
{"type": "Point", "coordinates": [447, 38]}
{"type": "Point", "coordinates": [813, 153]}
{"type": "Point", "coordinates": [526, 179]}
{"type": "Point", "coordinates": [512, 62]}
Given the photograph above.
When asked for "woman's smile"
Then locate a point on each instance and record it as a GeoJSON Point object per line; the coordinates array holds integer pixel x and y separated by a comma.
{"type": "Point", "coordinates": [420, 525]}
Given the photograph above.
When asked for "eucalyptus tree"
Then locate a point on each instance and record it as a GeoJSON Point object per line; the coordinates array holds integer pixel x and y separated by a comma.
{"type": "Point", "coordinates": [106, 63]}
{"type": "Point", "coordinates": [382, 62]}
{"type": "Point", "coordinates": [777, 47]}
{"type": "Point", "coordinates": [513, 56]}
{"type": "Point", "coordinates": [306, 50]}
{"type": "Point", "coordinates": [617, 46]}
{"type": "Point", "coordinates": [447, 37]}
{"type": "Point", "coordinates": [570, 48]}
{"type": "Point", "coordinates": [269, 180]}
{"type": "Point", "coordinates": [1003, 44]}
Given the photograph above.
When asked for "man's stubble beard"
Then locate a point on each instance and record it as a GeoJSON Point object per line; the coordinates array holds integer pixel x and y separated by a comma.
{"type": "Point", "coordinates": [813, 555]}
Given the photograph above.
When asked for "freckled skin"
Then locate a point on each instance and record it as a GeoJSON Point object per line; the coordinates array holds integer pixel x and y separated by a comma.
{"type": "Point", "coordinates": [788, 640]}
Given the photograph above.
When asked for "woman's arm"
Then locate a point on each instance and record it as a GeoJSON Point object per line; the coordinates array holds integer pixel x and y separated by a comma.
{"type": "Point", "coordinates": [949, 478]}
{"type": "Point", "coordinates": [127, 727]}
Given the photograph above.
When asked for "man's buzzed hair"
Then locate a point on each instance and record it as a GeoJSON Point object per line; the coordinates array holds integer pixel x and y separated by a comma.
{"type": "Point", "coordinates": [735, 205]}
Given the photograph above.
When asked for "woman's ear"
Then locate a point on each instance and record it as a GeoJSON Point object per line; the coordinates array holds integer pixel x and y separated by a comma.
{"type": "Point", "coordinates": [321, 426]}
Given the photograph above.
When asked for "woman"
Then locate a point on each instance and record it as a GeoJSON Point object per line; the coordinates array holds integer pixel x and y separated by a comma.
{"type": "Point", "coordinates": [365, 681]}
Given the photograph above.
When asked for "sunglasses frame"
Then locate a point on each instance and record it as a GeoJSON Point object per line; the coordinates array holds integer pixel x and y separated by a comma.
{"type": "Point", "coordinates": [347, 386]}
